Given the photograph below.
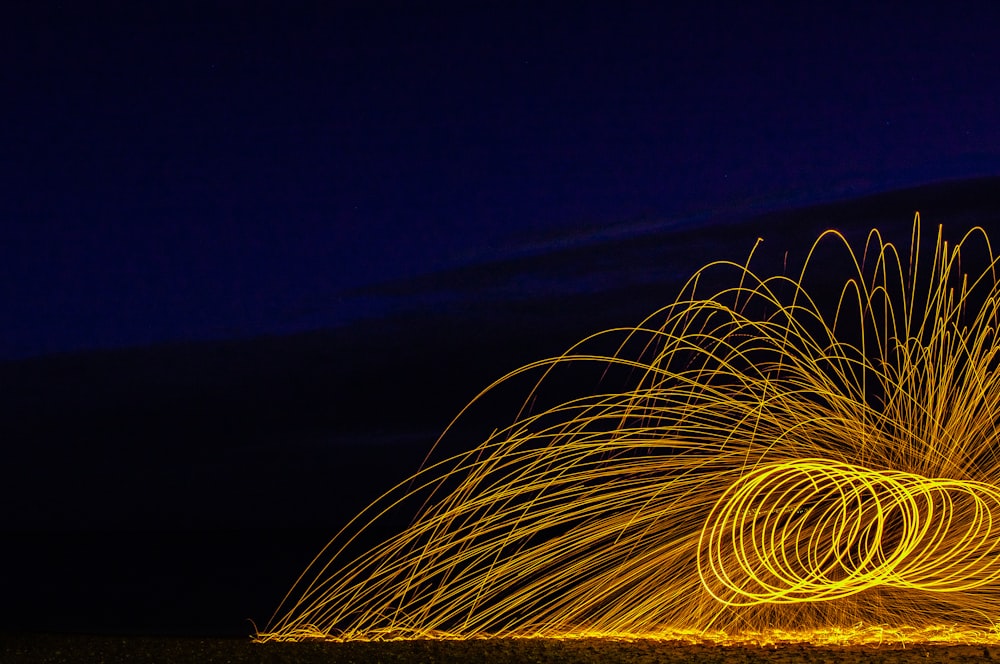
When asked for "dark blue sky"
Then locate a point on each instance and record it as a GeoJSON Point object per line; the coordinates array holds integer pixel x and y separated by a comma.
{"type": "Point", "coordinates": [179, 171]}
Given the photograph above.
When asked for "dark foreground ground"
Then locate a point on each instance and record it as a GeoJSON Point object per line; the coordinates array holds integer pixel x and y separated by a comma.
{"type": "Point", "coordinates": [38, 649]}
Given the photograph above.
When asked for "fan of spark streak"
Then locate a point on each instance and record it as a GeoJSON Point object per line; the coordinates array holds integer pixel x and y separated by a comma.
{"type": "Point", "coordinates": [594, 512]}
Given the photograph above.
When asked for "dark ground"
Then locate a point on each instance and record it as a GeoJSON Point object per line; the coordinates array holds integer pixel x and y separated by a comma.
{"type": "Point", "coordinates": [48, 649]}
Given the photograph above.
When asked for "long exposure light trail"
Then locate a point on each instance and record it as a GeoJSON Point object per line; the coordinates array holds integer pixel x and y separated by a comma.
{"type": "Point", "coordinates": [799, 455]}
{"type": "Point", "coordinates": [810, 530]}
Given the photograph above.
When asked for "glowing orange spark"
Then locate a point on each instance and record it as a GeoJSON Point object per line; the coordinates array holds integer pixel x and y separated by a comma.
{"type": "Point", "coordinates": [809, 457]}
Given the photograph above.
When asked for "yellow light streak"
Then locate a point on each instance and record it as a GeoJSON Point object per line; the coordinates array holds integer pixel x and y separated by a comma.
{"type": "Point", "coordinates": [809, 530]}
{"type": "Point", "coordinates": [810, 457]}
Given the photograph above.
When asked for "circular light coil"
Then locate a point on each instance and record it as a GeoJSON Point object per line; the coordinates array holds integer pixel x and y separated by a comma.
{"type": "Point", "coordinates": [811, 530]}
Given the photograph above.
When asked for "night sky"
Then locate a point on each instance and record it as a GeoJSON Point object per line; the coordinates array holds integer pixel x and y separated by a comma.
{"type": "Point", "coordinates": [232, 235]}
{"type": "Point", "coordinates": [190, 173]}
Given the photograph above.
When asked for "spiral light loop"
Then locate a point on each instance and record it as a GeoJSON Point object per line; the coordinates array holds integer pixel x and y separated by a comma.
{"type": "Point", "coordinates": [811, 530]}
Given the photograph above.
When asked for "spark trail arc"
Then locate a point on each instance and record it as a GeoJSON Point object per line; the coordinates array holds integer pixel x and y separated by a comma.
{"type": "Point", "coordinates": [795, 451]}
